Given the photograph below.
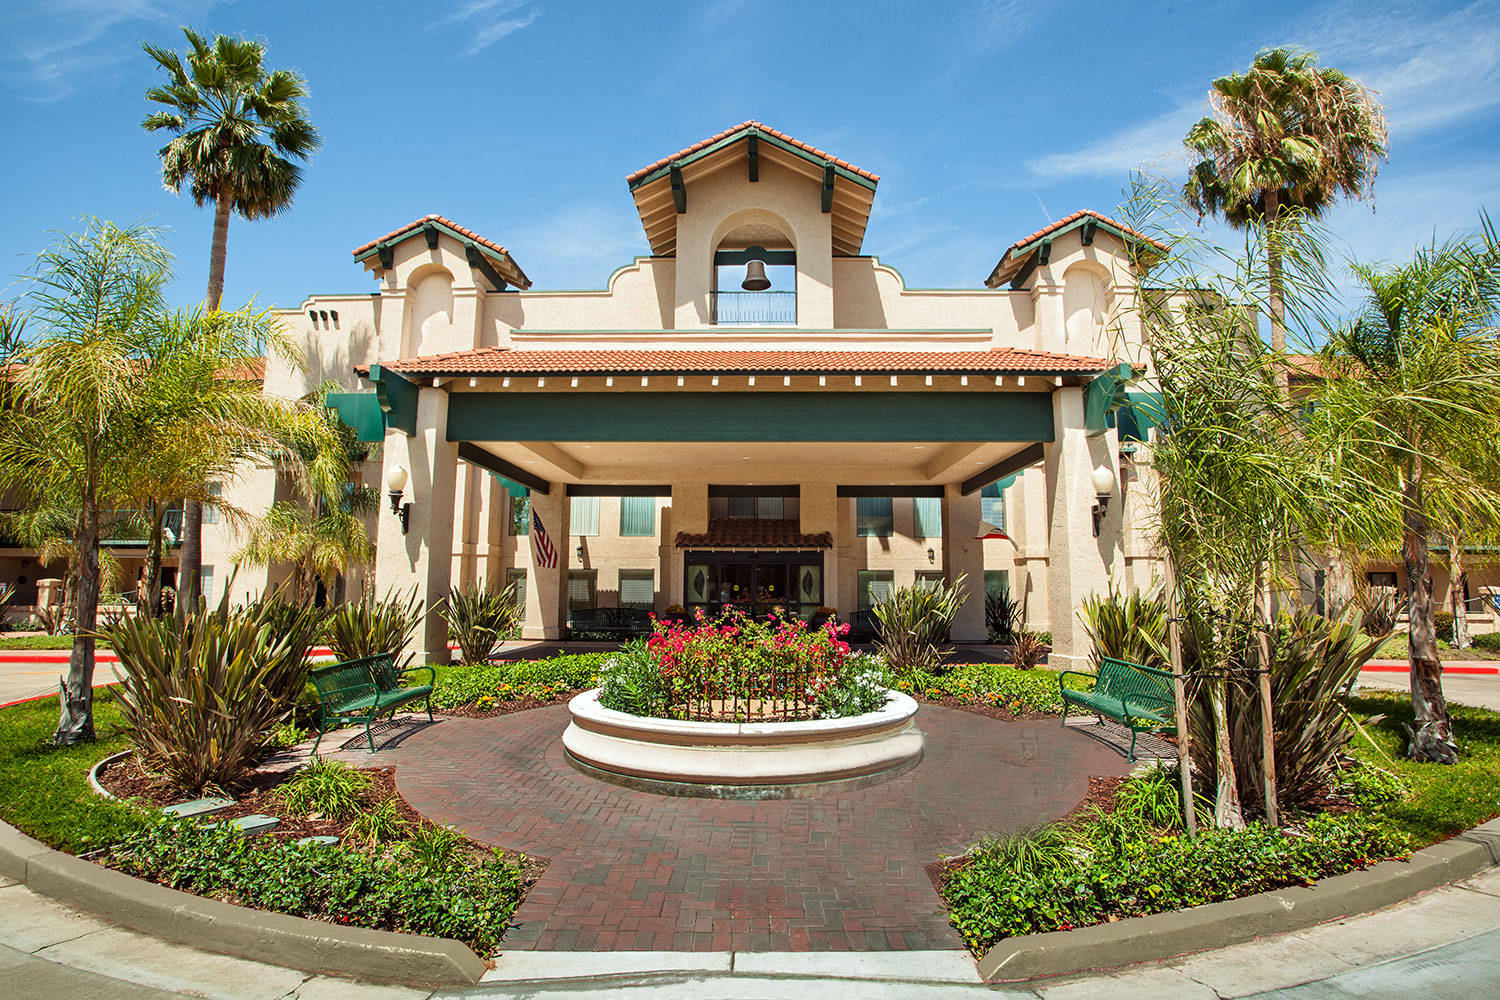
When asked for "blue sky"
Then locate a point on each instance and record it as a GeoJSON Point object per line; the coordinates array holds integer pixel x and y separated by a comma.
{"type": "Point", "coordinates": [521, 119]}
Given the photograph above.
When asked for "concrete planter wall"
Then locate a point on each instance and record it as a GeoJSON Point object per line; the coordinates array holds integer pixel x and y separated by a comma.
{"type": "Point", "coordinates": [729, 754]}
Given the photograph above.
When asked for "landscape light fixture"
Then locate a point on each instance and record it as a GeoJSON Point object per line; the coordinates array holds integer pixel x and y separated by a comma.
{"type": "Point", "coordinates": [395, 482]}
{"type": "Point", "coordinates": [1104, 487]}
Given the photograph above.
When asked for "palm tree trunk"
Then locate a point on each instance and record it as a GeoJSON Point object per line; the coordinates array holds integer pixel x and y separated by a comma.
{"type": "Point", "coordinates": [1274, 298]}
{"type": "Point", "coordinates": [1432, 739]}
{"type": "Point", "coordinates": [153, 559]}
{"type": "Point", "coordinates": [75, 722]}
{"type": "Point", "coordinates": [1456, 580]}
{"type": "Point", "coordinates": [190, 556]}
{"type": "Point", "coordinates": [1227, 810]}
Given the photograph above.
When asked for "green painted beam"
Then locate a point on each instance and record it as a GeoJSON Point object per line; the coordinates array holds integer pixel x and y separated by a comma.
{"type": "Point", "coordinates": [752, 146]}
{"type": "Point", "coordinates": [679, 191]}
{"type": "Point", "coordinates": [749, 416]}
{"type": "Point", "coordinates": [398, 399]}
{"type": "Point", "coordinates": [475, 455]}
{"type": "Point", "coordinates": [1022, 459]}
{"type": "Point", "coordinates": [827, 188]}
{"type": "Point", "coordinates": [598, 490]}
{"type": "Point", "coordinates": [847, 492]}
{"type": "Point", "coordinates": [1103, 396]}
{"type": "Point", "coordinates": [361, 411]}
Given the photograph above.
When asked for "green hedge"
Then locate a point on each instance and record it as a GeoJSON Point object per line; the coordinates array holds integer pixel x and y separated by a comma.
{"type": "Point", "coordinates": [460, 897]}
{"type": "Point", "coordinates": [1108, 875]}
{"type": "Point", "coordinates": [465, 685]}
{"type": "Point", "coordinates": [993, 683]}
{"type": "Point", "coordinates": [1490, 642]}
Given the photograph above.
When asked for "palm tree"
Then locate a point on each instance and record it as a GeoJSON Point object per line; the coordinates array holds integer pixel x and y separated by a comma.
{"type": "Point", "coordinates": [237, 131]}
{"type": "Point", "coordinates": [1285, 140]}
{"type": "Point", "coordinates": [320, 533]}
{"type": "Point", "coordinates": [64, 431]}
{"type": "Point", "coordinates": [1411, 396]}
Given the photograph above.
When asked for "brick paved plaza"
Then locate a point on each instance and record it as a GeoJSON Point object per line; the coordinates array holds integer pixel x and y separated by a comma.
{"type": "Point", "coordinates": [633, 870]}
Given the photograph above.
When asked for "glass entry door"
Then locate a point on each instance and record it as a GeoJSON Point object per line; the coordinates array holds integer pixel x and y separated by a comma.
{"type": "Point", "coordinates": [755, 583]}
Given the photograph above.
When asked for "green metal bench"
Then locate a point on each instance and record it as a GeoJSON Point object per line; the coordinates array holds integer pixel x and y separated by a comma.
{"type": "Point", "coordinates": [364, 689]}
{"type": "Point", "coordinates": [1137, 696]}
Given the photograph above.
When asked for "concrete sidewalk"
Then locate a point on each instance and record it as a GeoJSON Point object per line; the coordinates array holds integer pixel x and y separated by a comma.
{"type": "Point", "coordinates": [1445, 943]}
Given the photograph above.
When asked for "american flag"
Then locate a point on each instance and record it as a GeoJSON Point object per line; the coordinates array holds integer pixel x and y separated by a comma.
{"type": "Point", "coordinates": [543, 553]}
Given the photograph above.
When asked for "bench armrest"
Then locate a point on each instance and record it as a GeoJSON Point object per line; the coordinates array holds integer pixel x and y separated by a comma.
{"type": "Point", "coordinates": [1142, 701]}
{"type": "Point", "coordinates": [431, 672]}
{"type": "Point", "coordinates": [1074, 673]}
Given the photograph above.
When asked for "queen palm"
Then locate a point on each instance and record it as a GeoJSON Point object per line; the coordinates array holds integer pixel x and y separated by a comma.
{"type": "Point", "coordinates": [238, 130]}
{"type": "Point", "coordinates": [1285, 140]}
{"type": "Point", "coordinates": [1407, 410]}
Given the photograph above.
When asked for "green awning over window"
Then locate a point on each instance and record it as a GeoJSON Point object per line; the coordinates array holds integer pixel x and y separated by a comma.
{"type": "Point", "coordinates": [361, 411]}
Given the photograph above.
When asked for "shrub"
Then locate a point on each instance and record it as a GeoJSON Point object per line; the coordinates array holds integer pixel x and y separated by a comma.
{"type": "Point", "coordinates": [468, 899]}
{"type": "Point", "coordinates": [518, 678]}
{"type": "Point", "coordinates": [858, 689]}
{"type": "Point", "coordinates": [1442, 623]}
{"type": "Point", "coordinates": [1490, 642]}
{"type": "Point", "coordinates": [991, 683]}
{"type": "Point", "coordinates": [1315, 662]}
{"type": "Point", "coordinates": [1028, 650]}
{"type": "Point", "coordinates": [912, 623]}
{"type": "Point", "coordinates": [1130, 627]}
{"type": "Point", "coordinates": [330, 788]}
{"type": "Point", "coordinates": [370, 627]}
{"type": "Point", "coordinates": [1004, 616]}
{"type": "Point", "coordinates": [1120, 871]}
{"type": "Point", "coordinates": [1379, 607]}
{"type": "Point", "coordinates": [1153, 798]}
{"type": "Point", "coordinates": [433, 847]}
{"type": "Point", "coordinates": [378, 825]}
{"type": "Point", "coordinates": [201, 691]}
{"type": "Point", "coordinates": [630, 682]}
{"type": "Point", "coordinates": [479, 620]}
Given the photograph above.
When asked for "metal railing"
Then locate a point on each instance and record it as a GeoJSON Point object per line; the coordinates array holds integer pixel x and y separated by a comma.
{"type": "Point", "coordinates": [732, 308]}
{"type": "Point", "coordinates": [746, 691]}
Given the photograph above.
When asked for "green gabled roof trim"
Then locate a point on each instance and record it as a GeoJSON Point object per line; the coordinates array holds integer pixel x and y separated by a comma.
{"type": "Point", "coordinates": [435, 226]}
{"type": "Point", "coordinates": [1091, 223]}
{"type": "Point", "coordinates": [761, 137]}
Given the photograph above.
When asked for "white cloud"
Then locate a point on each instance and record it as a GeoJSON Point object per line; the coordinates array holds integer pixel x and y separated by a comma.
{"type": "Point", "coordinates": [1154, 143]}
{"type": "Point", "coordinates": [52, 48]}
{"type": "Point", "coordinates": [482, 23]}
{"type": "Point", "coordinates": [578, 246]}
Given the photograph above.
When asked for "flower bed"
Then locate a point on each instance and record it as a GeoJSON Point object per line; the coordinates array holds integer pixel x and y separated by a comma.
{"type": "Point", "coordinates": [735, 669]}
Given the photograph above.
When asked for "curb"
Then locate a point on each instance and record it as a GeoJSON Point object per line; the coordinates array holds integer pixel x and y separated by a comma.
{"type": "Point", "coordinates": [1216, 925]}
{"type": "Point", "coordinates": [312, 946]}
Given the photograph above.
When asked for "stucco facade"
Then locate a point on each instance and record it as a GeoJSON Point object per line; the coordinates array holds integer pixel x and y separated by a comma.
{"type": "Point", "coordinates": [863, 389]}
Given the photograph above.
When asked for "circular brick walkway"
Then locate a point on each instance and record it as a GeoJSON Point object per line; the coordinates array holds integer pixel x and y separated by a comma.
{"type": "Point", "coordinates": [632, 870]}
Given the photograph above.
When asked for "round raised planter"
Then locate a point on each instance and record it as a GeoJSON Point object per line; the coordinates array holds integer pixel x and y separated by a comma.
{"type": "Point", "coordinates": [751, 759]}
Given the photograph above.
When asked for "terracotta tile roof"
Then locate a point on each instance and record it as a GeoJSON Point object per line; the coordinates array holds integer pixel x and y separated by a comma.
{"type": "Point", "coordinates": [742, 127]}
{"type": "Point", "coordinates": [253, 370]}
{"type": "Point", "coordinates": [494, 361]}
{"type": "Point", "coordinates": [1069, 219]}
{"type": "Point", "coordinates": [490, 244]}
{"type": "Point", "coordinates": [745, 533]}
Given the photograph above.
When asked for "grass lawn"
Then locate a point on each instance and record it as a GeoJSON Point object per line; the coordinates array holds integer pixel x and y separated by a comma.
{"type": "Point", "coordinates": [40, 642]}
{"type": "Point", "coordinates": [44, 789]}
{"type": "Point", "coordinates": [1444, 799]}
{"type": "Point", "coordinates": [1396, 648]}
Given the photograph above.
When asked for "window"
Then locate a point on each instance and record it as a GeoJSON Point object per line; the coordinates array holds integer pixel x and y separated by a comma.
{"type": "Point", "coordinates": [1382, 580]}
{"type": "Point", "coordinates": [758, 508]}
{"type": "Point", "coordinates": [581, 588]}
{"type": "Point", "coordinates": [520, 516]}
{"type": "Point", "coordinates": [928, 517]}
{"type": "Point", "coordinates": [637, 588]}
{"type": "Point", "coordinates": [517, 578]}
{"type": "Point", "coordinates": [873, 517]}
{"type": "Point", "coordinates": [928, 579]}
{"type": "Point", "coordinates": [206, 583]}
{"type": "Point", "coordinates": [996, 582]}
{"type": "Point", "coordinates": [585, 516]}
{"type": "Point", "coordinates": [211, 514]}
{"type": "Point", "coordinates": [875, 585]}
{"type": "Point", "coordinates": [992, 504]}
{"type": "Point", "coordinates": [638, 516]}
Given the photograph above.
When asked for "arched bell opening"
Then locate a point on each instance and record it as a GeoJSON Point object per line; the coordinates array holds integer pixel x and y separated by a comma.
{"type": "Point", "coordinates": [755, 278]}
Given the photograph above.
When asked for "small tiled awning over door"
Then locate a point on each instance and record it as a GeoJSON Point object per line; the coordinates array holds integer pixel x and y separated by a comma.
{"type": "Point", "coordinates": [748, 533]}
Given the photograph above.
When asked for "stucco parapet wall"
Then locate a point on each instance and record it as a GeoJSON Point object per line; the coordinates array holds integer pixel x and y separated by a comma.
{"type": "Point", "coordinates": [751, 753]}
{"type": "Point", "coordinates": [1217, 925]}
{"type": "Point", "coordinates": [293, 942]}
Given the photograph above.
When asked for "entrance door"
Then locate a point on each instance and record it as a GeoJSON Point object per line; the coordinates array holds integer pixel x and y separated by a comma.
{"type": "Point", "coordinates": [755, 583]}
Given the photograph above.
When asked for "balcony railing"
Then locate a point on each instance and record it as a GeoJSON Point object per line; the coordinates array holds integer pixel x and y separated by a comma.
{"type": "Point", "coordinates": [754, 308]}
{"type": "Point", "coordinates": [120, 528]}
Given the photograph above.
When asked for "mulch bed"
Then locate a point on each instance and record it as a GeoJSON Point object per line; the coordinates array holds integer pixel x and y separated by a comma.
{"type": "Point", "coordinates": [984, 708]}
{"type": "Point", "coordinates": [472, 711]}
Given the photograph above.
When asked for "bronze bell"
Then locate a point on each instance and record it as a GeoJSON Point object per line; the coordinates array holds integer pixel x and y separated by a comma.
{"type": "Point", "coordinates": [755, 277]}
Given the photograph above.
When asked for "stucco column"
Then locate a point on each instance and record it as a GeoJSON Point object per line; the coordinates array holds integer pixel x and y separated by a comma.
{"type": "Point", "coordinates": [690, 514]}
{"type": "Point", "coordinates": [423, 556]}
{"type": "Point", "coordinates": [547, 589]}
{"type": "Point", "coordinates": [963, 555]}
{"type": "Point", "coordinates": [820, 512]}
{"type": "Point", "coordinates": [1051, 320]}
{"type": "Point", "coordinates": [1078, 563]}
{"type": "Point", "coordinates": [470, 482]}
{"type": "Point", "coordinates": [1032, 528]}
{"type": "Point", "coordinates": [493, 523]}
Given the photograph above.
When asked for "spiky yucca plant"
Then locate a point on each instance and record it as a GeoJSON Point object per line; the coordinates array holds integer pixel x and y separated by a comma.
{"type": "Point", "coordinates": [370, 626]}
{"type": "Point", "coordinates": [479, 620]}
{"type": "Point", "coordinates": [201, 690]}
{"type": "Point", "coordinates": [913, 623]}
{"type": "Point", "coordinates": [1130, 627]}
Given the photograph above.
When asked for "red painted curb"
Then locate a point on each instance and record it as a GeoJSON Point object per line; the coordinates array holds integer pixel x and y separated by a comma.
{"type": "Point", "coordinates": [1401, 668]}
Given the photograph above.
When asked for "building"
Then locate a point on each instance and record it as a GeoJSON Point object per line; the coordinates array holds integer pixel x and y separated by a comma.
{"type": "Point", "coordinates": [690, 435]}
